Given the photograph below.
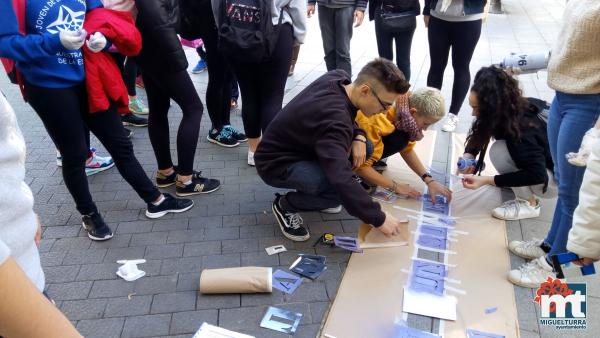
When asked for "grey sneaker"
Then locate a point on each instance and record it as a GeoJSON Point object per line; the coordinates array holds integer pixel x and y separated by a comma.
{"type": "Point", "coordinates": [532, 274]}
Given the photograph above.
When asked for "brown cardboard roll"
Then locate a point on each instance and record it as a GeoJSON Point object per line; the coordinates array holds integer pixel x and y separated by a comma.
{"type": "Point", "coordinates": [249, 279]}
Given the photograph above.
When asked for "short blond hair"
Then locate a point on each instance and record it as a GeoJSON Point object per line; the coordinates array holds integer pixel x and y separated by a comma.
{"type": "Point", "coordinates": [428, 101]}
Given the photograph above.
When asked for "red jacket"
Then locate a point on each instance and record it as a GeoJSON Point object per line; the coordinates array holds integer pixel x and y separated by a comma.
{"type": "Point", "coordinates": [102, 76]}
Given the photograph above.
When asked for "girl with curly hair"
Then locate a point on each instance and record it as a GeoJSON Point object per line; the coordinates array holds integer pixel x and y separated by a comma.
{"type": "Point", "coordinates": [520, 152]}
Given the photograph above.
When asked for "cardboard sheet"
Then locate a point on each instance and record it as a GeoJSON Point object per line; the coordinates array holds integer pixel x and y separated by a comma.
{"type": "Point", "coordinates": [370, 296]}
{"type": "Point", "coordinates": [249, 279]}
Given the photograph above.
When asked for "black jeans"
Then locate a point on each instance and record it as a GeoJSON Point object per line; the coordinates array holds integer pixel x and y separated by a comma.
{"type": "Point", "coordinates": [65, 115]}
{"type": "Point", "coordinates": [218, 91]}
{"type": "Point", "coordinates": [262, 85]}
{"type": "Point", "coordinates": [463, 38]}
{"type": "Point", "coordinates": [402, 40]}
{"type": "Point", "coordinates": [129, 71]}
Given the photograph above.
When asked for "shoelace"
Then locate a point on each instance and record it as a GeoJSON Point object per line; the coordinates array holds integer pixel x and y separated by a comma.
{"type": "Point", "coordinates": [225, 133]}
{"type": "Point", "coordinates": [231, 129]}
{"type": "Point", "coordinates": [295, 220]}
{"type": "Point", "coordinates": [532, 265]}
{"type": "Point", "coordinates": [510, 205]}
{"type": "Point", "coordinates": [535, 243]}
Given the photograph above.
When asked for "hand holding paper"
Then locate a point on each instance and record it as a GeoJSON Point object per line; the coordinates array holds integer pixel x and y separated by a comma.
{"type": "Point", "coordinates": [391, 226]}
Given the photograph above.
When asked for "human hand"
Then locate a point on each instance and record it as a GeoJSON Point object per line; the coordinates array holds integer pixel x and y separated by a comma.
{"type": "Point", "coordinates": [38, 234]}
{"type": "Point", "coordinates": [583, 261]}
{"type": "Point", "coordinates": [391, 226]}
{"type": "Point", "coordinates": [310, 10]}
{"type": "Point", "coordinates": [406, 190]}
{"type": "Point", "coordinates": [476, 182]}
{"type": "Point", "coordinates": [72, 40]}
{"type": "Point", "coordinates": [359, 154]}
{"type": "Point", "coordinates": [96, 42]}
{"type": "Point", "coordinates": [436, 188]}
{"type": "Point", "coordinates": [426, 20]}
{"type": "Point", "coordinates": [358, 18]}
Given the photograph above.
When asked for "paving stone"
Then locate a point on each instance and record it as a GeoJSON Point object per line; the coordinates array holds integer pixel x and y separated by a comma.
{"type": "Point", "coordinates": [71, 244]}
{"type": "Point", "coordinates": [202, 249]}
{"type": "Point", "coordinates": [239, 220]}
{"type": "Point", "coordinates": [260, 258]}
{"type": "Point", "coordinates": [101, 328]}
{"type": "Point", "coordinates": [98, 271]}
{"type": "Point", "coordinates": [111, 288]}
{"type": "Point", "coordinates": [318, 311]}
{"type": "Point", "coordinates": [239, 245]}
{"type": "Point", "coordinates": [83, 309]}
{"type": "Point", "coordinates": [134, 227]}
{"type": "Point", "coordinates": [174, 302]}
{"type": "Point", "coordinates": [205, 222]}
{"type": "Point", "coordinates": [213, 234]}
{"type": "Point", "coordinates": [59, 274]}
{"type": "Point", "coordinates": [150, 238]}
{"type": "Point", "coordinates": [188, 282]}
{"type": "Point", "coordinates": [120, 241]}
{"type": "Point", "coordinates": [62, 231]}
{"type": "Point", "coordinates": [115, 254]}
{"type": "Point", "coordinates": [69, 291]}
{"type": "Point", "coordinates": [85, 257]}
{"type": "Point", "coordinates": [308, 292]}
{"type": "Point", "coordinates": [147, 326]}
{"type": "Point", "coordinates": [276, 297]}
{"type": "Point", "coordinates": [217, 301]}
{"type": "Point", "coordinates": [257, 231]}
{"type": "Point", "coordinates": [186, 236]}
{"type": "Point", "coordinates": [135, 305]}
{"type": "Point", "coordinates": [221, 261]}
{"type": "Point", "coordinates": [189, 322]}
{"type": "Point", "coordinates": [170, 224]}
{"type": "Point", "coordinates": [52, 258]}
{"type": "Point", "coordinates": [156, 285]}
{"type": "Point", "coordinates": [181, 265]}
{"type": "Point", "coordinates": [164, 251]}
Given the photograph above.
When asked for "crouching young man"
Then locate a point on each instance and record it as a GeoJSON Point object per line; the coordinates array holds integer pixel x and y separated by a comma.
{"type": "Point", "coordinates": [307, 145]}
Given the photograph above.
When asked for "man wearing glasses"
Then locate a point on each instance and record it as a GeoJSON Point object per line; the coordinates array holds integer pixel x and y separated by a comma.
{"type": "Point", "coordinates": [307, 145]}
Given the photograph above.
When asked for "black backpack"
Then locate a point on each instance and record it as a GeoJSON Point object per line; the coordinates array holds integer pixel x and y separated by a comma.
{"type": "Point", "coordinates": [246, 31]}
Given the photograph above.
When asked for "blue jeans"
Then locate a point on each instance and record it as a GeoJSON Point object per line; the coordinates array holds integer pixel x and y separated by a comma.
{"type": "Point", "coordinates": [570, 117]}
{"type": "Point", "coordinates": [313, 190]}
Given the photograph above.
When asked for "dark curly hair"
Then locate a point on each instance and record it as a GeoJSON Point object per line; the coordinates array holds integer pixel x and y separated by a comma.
{"type": "Point", "coordinates": [501, 107]}
{"type": "Point", "coordinates": [386, 73]}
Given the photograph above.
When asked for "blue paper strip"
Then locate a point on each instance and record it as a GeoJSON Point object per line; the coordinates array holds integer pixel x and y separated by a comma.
{"type": "Point", "coordinates": [432, 242]}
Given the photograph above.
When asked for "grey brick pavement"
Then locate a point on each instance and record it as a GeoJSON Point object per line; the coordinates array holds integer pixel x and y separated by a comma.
{"type": "Point", "coordinates": [232, 226]}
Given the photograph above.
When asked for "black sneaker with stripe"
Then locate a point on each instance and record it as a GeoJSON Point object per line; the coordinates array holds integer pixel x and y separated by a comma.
{"type": "Point", "coordinates": [163, 181]}
{"type": "Point", "coordinates": [169, 205]}
{"type": "Point", "coordinates": [199, 185]}
{"type": "Point", "coordinates": [96, 228]}
{"type": "Point", "coordinates": [290, 223]}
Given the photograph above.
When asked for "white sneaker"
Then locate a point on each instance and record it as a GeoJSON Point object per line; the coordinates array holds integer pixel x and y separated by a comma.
{"type": "Point", "coordinates": [527, 249]}
{"type": "Point", "coordinates": [451, 123]}
{"type": "Point", "coordinates": [516, 209]}
{"type": "Point", "coordinates": [251, 158]}
{"type": "Point", "coordinates": [334, 210]}
{"type": "Point", "coordinates": [532, 274]}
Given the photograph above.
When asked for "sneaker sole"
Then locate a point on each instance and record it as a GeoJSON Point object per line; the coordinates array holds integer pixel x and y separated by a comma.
{"type": "Point", "coordinates": [524, 285]}
{"type": "Point", "coordinates": [98, 239]}
{"type": "Point", "coordinates": [196, 192]}
{"type": "Point", "coordinates": [513, 218]}
{"type": "Point", "coordinates": [162, 213]}
{"type": "Point", "coordinates": [129, 124]}
{"type": "Point", "coordinates": [90, 172]}
{"type": "Point", "coordinates": [522, 255]}
{"type": "Point", "coordinates": [282, 228]}
{"type": "Point", "coordinates": [139, 112]}
{"type": "Point", "coordinates": [222, 144]}
{"type": "Point", "coordinates": [164, 185]}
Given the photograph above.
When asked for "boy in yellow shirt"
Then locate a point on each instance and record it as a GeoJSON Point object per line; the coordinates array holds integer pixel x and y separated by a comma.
{"type": "Point", "coordinates": [397, 131]}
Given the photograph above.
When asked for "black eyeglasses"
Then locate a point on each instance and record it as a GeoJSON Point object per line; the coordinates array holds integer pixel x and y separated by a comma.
{"type": "Point", "coordinates": [384, 105]}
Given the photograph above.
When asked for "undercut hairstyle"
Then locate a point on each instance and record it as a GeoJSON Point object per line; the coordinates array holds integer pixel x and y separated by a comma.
{"type": "Point", "coordinates": [384, 73]}
{"type": "Point", "coordinates": [429, 102]}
